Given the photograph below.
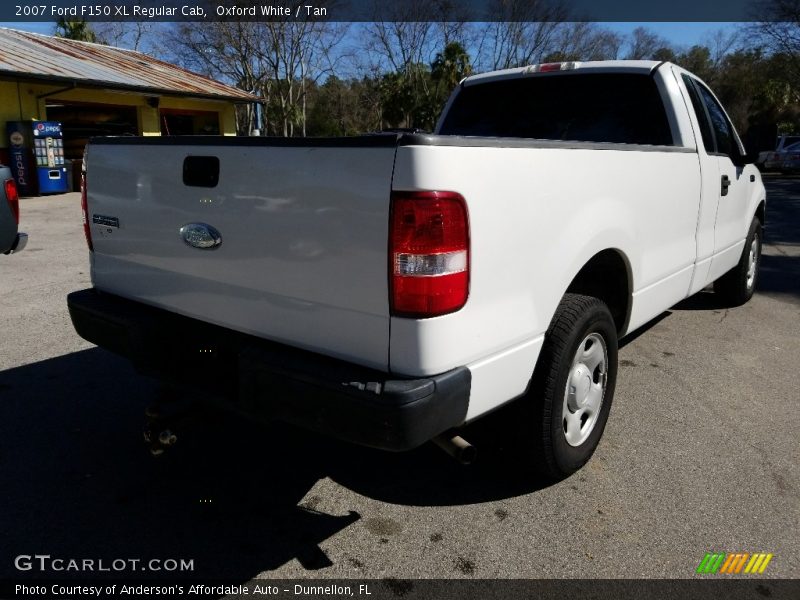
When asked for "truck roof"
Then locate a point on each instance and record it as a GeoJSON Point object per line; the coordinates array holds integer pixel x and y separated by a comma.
{"type": "Point", "coordinates": [598, 66]}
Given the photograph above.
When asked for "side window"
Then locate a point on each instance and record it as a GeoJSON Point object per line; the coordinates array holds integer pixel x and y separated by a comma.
{"type": "Point", "coordinates": [722, 129]}
{"type": "Point", "coordinates": [702, 118]}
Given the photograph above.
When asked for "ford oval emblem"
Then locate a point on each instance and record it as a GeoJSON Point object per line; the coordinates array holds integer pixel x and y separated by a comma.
{"type": "Point", "coordinates": [201, 235]}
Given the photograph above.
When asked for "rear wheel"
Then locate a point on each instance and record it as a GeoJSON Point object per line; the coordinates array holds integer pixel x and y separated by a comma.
{"type": "Point", "coordinates": [573, 385]}
{"type": "Point", "coordinates": [738, 285]}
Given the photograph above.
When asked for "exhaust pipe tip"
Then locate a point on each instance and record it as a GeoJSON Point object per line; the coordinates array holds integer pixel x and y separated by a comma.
{"type": "Point", "coordinates": [457, 447]}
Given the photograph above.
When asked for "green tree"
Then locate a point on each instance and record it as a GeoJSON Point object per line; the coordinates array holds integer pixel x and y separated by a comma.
{"type": "Point", "coordinates": [773, 108]}
{"type": "Point", "coordinates": [75, 30]}
{"type": "Point", "coordinates": [450, 66]}
{"type": "Point", "coordinates": [405, 97]}
{"type": "Point", "coordinates": [698, 60]}
{"type": "Point", "coordinates": [666, 53]}
{"type": "Point", "coordinates": [415, 95]}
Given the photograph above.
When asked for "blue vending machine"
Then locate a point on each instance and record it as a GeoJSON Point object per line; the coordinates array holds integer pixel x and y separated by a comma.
{"type": "Point", "coordinates": [48, 147]}
{"type": "Point", "coordinates": [42, 140]}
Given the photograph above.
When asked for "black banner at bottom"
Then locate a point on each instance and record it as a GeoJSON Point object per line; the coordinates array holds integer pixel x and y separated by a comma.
{"type": "Point", "coordinates": [407, 589]}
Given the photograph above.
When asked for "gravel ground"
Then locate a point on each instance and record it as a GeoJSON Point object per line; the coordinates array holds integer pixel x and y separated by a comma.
{"type": "Point", "coordinates": [701, 453]}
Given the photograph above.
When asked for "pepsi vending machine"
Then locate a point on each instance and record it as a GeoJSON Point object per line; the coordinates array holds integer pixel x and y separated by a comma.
{"type": "Point", "coordinates": [42, 142]}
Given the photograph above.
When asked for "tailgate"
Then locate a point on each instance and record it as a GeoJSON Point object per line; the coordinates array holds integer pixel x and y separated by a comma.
{"type": "Point", "coordinates": [303, 227]}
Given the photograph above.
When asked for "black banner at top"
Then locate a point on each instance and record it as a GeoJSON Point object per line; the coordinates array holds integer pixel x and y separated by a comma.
{"type": "Point", "coordinates": [388, 10]}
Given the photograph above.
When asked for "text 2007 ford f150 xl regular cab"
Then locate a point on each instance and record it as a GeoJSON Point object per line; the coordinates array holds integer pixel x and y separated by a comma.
{"type": "Point", "coordinates": [388, 289]}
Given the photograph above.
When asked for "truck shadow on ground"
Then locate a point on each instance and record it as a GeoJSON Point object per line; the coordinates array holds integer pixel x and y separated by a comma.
{"type": "Point", "coordinates": [231, 495]}
{"type": "Point", "coordinates": [778, 275]}
{"type": "Point", "coordinates": [79, 482]}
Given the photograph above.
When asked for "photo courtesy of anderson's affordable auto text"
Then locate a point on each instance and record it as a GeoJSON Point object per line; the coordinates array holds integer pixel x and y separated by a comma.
{"type": "Point", "coordinates": [287, 588]}
{"type": "Point", "coordinates": [420, 300]}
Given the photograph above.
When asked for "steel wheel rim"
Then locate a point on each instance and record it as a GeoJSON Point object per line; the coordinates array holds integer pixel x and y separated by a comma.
{"type": "Point", "coordinates": [585, 390]}
{"type": "Point", "coordinates": [752, 262]}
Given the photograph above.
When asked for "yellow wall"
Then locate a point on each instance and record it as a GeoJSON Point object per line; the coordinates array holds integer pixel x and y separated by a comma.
{"type": "Point", "coordinates": [226, 110]}
{"type": "Point", "coordinates": [14, 95]}
{"type": "Point", "coordinates": [15, 105]}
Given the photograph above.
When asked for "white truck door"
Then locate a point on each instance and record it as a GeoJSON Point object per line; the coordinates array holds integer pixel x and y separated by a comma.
{"type": "Point", "coordinates": [729, 186]}
{"type": "Point", "coordinates": [733, 184]}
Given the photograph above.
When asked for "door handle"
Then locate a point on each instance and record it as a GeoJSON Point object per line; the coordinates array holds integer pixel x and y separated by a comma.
{"type": "Point", "coordinates": [726, 182]}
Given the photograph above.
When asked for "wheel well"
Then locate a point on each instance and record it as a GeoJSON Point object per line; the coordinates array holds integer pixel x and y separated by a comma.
{"type": "Point", "coordinates": [606, 277]}
{"type": "Point", "coordinates": [760, 212]}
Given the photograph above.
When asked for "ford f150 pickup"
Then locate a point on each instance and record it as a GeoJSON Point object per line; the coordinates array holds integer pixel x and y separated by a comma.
{"type": "Point", "coordinates": [11, 240]}
{"type": "Point", "coordinates": [388, 289]}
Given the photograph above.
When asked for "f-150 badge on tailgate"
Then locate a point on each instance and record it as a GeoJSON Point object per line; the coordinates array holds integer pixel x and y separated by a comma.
{"type": "Point", "coordinates": [201, 235]}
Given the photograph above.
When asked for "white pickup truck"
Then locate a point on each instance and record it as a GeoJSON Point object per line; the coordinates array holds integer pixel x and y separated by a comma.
{"type": "Point", "coordinates": [388, 289]}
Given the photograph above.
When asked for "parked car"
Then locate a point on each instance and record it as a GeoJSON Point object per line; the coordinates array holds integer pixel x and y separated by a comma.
{"type": "Point", "coordinates": [790, 159]}
{"type": "Point", "coordinates": [773, 160]}
{"type": "Point", "coordinates": [389, 289]}
{"type": "Point", "coordinates": [11, 240]}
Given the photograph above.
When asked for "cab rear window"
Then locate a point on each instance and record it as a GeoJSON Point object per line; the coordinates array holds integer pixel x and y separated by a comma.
{"type": "Point", "coordinates": [623, 108]}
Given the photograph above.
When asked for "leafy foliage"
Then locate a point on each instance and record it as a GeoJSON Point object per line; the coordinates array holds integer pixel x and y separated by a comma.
{"type": "Point", "coordinates": [75, 30]}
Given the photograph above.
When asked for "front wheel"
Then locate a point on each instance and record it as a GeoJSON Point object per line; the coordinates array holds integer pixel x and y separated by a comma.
{"type": "Point", "coordinates": [573, 385]}
{"type": "Point", "coordinates": [738, 285]}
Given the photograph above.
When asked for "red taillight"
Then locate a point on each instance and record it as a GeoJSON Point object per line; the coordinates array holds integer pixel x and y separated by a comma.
{"type": "Point", "coordinates": [549, 67]}
{"type": "Point", "coordinates": [13, 197]}
{"type": "Point", "coordinates": [85, 209]}
{"type": "Point", "coordinates": [428, 253]}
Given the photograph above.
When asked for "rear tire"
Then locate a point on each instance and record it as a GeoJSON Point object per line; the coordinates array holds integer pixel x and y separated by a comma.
{"type": "Point", "coordinates": [573, 385]}
{"type": "Point", "coordinates": [738, 285]}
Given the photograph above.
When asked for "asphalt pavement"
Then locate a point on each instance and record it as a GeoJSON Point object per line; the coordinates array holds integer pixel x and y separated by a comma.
{"type": "Point", "coordinates": [701, 453]}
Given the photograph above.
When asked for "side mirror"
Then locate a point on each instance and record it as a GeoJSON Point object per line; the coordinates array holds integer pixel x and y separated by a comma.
{"type": "Point", "coordinates": [750, 157]}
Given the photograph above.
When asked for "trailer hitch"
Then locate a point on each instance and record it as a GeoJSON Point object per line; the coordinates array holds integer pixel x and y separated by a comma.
{"type": "Point", "coordinates": [162, 418]}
